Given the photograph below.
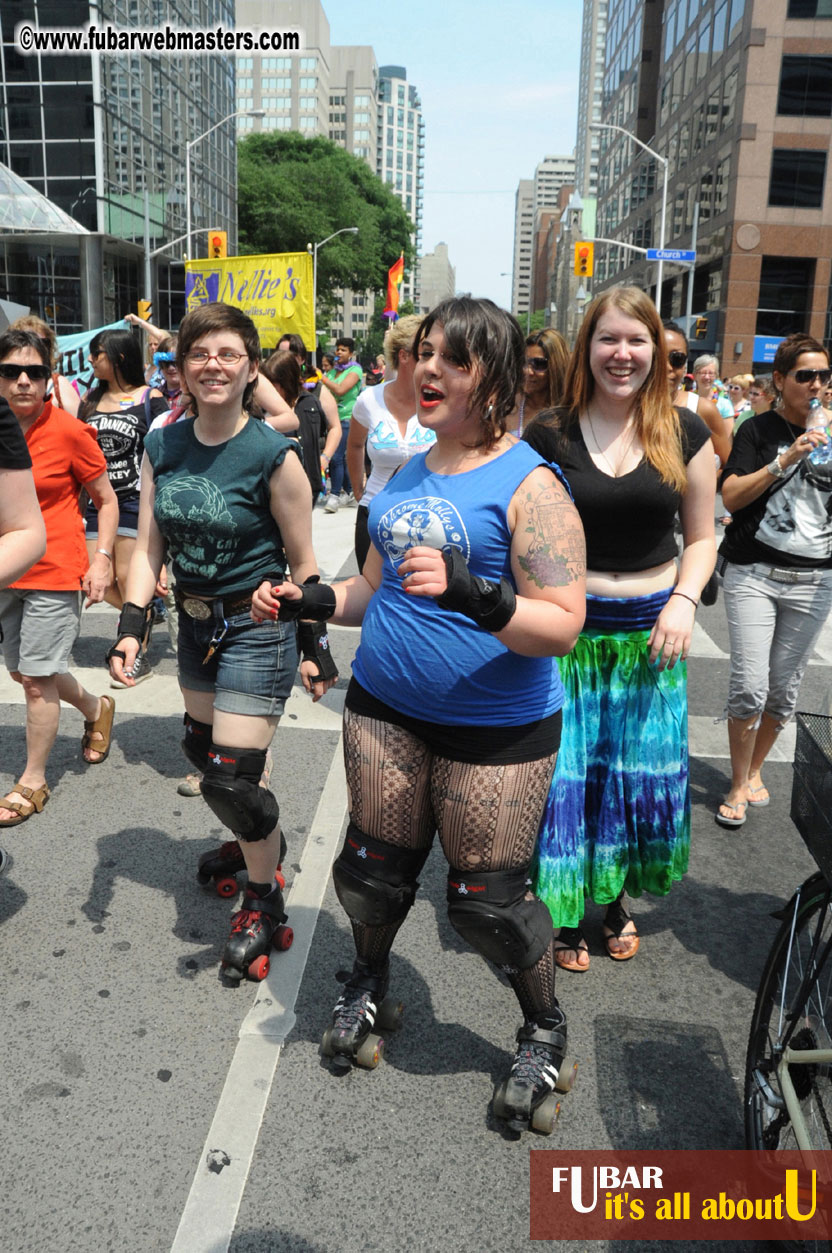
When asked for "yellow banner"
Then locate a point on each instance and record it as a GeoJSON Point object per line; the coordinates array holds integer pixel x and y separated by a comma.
{"type": "Point", "coordinates": [275, 291]}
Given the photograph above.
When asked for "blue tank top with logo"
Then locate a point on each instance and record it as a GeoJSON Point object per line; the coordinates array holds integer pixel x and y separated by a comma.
{"type": "Point", "coordinates": [432, 663]}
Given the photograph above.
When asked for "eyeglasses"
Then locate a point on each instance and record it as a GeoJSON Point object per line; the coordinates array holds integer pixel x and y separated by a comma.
{"type": "Point", "coordinates": [754, 395]}
{"type": "Point", "coordinates": [539, 364]}
{"type": "Point", "coordinates": [226, 356]}
{"type": "Point", "coordinates": [809, 376]}
{"type": "Point", "coordinates": [677, 358]}
{"type": "Point", "coordinates": [11, 370]}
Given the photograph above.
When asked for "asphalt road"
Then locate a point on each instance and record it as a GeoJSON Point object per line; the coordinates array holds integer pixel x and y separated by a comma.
{"type": "Point", "coordinates": [148, 1106]}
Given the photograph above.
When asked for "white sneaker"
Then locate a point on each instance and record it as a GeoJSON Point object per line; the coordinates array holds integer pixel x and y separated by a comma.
{"type": "Point", "coordinates": [347, 498]}
{"type": "Point", "coordinates": [332, 504]}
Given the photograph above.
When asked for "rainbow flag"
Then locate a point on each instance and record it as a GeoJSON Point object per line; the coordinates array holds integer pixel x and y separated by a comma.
{"type": "Point", "coordinates": [395, 275]}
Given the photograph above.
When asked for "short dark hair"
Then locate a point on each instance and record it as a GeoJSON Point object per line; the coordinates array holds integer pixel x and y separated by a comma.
{"type": "Point", "coordinates": [792, 347]}
{"type": "Point", "coordinates": [283, 370]}
{"type": "Point", "coordinates": [345, 342]}
{"type": "Point", "coordinates": [296, 344]}
{"type": "Point", "coordinates": [12, 340]}
{"type": "Point", "coordinates": [216, 316]}
{"type": "Point", "coordinates": [670, 325]}
{"type": "Point", "coordinates": [488, 341]}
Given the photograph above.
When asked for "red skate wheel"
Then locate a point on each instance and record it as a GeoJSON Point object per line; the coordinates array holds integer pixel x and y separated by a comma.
{"type": "Point", "coordinates": [258, 969]}
{"type": "Point", "coordinates": [226, 886]}
{"type": "Point", "coordinates": [283, 938]}
{"type": "Point", "coordinates": [280, 878]}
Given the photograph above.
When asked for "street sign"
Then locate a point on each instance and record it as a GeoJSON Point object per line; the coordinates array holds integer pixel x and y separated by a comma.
{"type": "Point", "coordinates": [670, 254]}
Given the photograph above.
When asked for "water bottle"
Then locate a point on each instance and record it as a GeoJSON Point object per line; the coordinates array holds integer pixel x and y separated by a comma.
{"type": "Point", "coordinates": [822, 455]}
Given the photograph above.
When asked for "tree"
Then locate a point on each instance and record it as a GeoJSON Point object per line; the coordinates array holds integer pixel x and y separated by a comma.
{"type": "Point", "coordinates": [293, 191]}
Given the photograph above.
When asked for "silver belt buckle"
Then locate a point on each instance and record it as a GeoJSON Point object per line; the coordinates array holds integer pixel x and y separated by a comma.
{"type": "Point", "coordinates": [196, 608]}
{"type": "Point", "coordinates": [785, 576]}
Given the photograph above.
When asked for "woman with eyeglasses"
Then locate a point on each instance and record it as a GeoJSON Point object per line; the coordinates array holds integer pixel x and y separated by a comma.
{"type": "Point", "coordinates": [547, 356]}
{"type": "Point", "coordinates": [40, 611]}
{"type": "Point", "coordinates": [227, 498]}
{"type": "Point", "coordinates": [776, 559]}
{"type": "Point", "coordinates": [617, 819]}
{"type": "Point", "coordinates": [761, 394]}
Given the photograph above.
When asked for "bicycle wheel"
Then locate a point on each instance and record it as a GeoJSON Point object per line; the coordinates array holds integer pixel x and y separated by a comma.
{"type": "Point", "coordinates": [767, 1122]}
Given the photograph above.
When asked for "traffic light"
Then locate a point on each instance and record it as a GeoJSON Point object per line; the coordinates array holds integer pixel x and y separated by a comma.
{"type": "Point", "coordinates": [145, 309]}
{"type": "Point", "coordinates": [218, 244]}
{"type": "Point", "coordinates": [700, 328]}
{"type": "Point", "coordinates": [584, 255]}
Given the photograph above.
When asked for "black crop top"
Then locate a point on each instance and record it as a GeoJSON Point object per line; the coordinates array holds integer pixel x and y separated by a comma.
{"type": "Point", "coordinates": [628, 521]}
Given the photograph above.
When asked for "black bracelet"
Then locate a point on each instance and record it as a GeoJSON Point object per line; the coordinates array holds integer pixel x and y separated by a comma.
{"type": "Point", "coordinates": [695, 603]}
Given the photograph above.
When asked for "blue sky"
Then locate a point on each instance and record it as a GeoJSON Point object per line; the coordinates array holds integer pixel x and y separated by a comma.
{"type": "Point", "coordinates": [499, 89]}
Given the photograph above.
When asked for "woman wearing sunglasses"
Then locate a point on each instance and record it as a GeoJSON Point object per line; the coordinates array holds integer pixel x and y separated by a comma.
{"type": "Point", "coordinates": [547, 356]}
{"type": "Point", "coordinates": [40, 612]}
{"type": "Point", "coordinates": [776, 559]}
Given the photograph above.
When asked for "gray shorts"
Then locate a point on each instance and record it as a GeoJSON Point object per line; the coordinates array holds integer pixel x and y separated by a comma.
{"type": "Point", "coordinates": [38, 630]}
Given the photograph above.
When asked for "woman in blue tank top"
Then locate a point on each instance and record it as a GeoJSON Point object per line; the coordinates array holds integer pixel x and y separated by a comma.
{"type": "Point", "coordinates": [473, 584]}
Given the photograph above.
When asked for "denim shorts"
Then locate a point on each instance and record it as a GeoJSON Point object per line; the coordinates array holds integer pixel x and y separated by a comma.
{"type": "Point", "coordinates": [128, 518]}
{"type": "Point", "coordinates": [251, 672]}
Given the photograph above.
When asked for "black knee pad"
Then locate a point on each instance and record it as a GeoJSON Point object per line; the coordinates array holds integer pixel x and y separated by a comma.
{"type": "Point", "coordinates": [376, 883]}
{"type": "Point", "coordinates": [491, 913]}
{"type": "Point", "coordinates": [197, 742]}
{"type": "Point", "coordinates": [231, 787]}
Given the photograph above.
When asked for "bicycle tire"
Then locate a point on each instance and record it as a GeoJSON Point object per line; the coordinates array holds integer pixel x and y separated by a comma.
{"type": "Point", "coordinates": [766, 1126]}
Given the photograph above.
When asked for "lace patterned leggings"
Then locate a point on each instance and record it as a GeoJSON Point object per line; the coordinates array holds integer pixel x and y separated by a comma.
{"type": "Point", "coordinates": [487, 817]}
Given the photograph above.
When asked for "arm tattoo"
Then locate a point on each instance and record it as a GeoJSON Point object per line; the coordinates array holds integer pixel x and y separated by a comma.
{"type": "Point", "coordinates": [556, 555]}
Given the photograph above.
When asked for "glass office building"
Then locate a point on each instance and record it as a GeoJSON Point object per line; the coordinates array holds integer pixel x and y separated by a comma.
{"type": "Point", "coordinates": [103, 137]}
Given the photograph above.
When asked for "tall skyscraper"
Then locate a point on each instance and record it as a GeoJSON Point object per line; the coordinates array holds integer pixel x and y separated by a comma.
{"type": "Point", "coordinates": [338, 91]}
{"type": "Point", "coordinates": [590, 95]}
{"type": "Point", "coordinates": [534, 195]}
{"type": "Point", "coordinates": [737, 96]}
{"type": "Point", "coordinates": [401, 155]}
{"type": "Point", "coordinates": [104, 138]}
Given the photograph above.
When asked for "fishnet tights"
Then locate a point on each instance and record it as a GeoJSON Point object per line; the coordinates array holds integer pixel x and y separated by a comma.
{"type": "Point", "coordinates": [487, 818]}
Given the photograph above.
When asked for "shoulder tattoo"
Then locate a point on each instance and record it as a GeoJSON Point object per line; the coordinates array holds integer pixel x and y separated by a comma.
{"type": "Point", "coordinates": [556, 555]}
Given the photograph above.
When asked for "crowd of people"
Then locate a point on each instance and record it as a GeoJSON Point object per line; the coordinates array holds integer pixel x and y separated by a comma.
{"type": "Point", "coordinates": [535, 528]}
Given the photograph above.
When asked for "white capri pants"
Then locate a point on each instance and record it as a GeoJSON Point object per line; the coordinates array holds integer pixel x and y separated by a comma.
{"type": "Point", "coordinates": [774, 619]}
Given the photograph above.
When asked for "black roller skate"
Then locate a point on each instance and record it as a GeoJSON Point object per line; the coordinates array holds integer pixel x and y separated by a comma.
{"type": "Point", "coordinates": [362, 1007]}
{"type": "Point", "coordinates": [256, 929]}
{"type": "Point", "coordinates": [540, 1070]}
{"type": "Point", "coordinates": [221, 866]}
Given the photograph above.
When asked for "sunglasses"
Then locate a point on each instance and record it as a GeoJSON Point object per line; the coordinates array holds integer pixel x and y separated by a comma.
{"type": "Point", "coordinates": [809, 376]}
{"type": "Point", "coordinates": [10, 370]}
{"type": "Point", "coordinates": [677, 358]}
{"type": "Point", "coordinates": [539, 364]}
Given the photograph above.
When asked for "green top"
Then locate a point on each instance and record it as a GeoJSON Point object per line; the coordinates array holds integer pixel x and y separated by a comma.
{"type": "Point", "coordinates": [347, 401]}
{"type": "Point", "coordinates": [213, 506]}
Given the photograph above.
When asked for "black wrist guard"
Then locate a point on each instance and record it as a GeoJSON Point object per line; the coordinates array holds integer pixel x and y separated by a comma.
{"type": "Point", "coordinates": [133, 622]}
{"type": "Point", "coordinates": [313, 642]}
{"type": "Point", "coordinates": [490, 605]}
{"type": "Point", "coordinates": [318, 601]}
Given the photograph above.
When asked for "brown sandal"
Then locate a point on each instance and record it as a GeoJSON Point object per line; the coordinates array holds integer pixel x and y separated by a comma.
{"type": "Point", "coordinates": [103, 725]}
{"type": "Point", "coordinates": [33, 802]}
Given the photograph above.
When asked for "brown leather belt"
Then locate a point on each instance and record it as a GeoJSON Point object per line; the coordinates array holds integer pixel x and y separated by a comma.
{"type": "Point", "coordinates": [219, 606]}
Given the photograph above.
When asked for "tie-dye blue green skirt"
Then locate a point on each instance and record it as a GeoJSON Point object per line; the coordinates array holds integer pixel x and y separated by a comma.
{"type": "Point", "coordinates": [618, 811]}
